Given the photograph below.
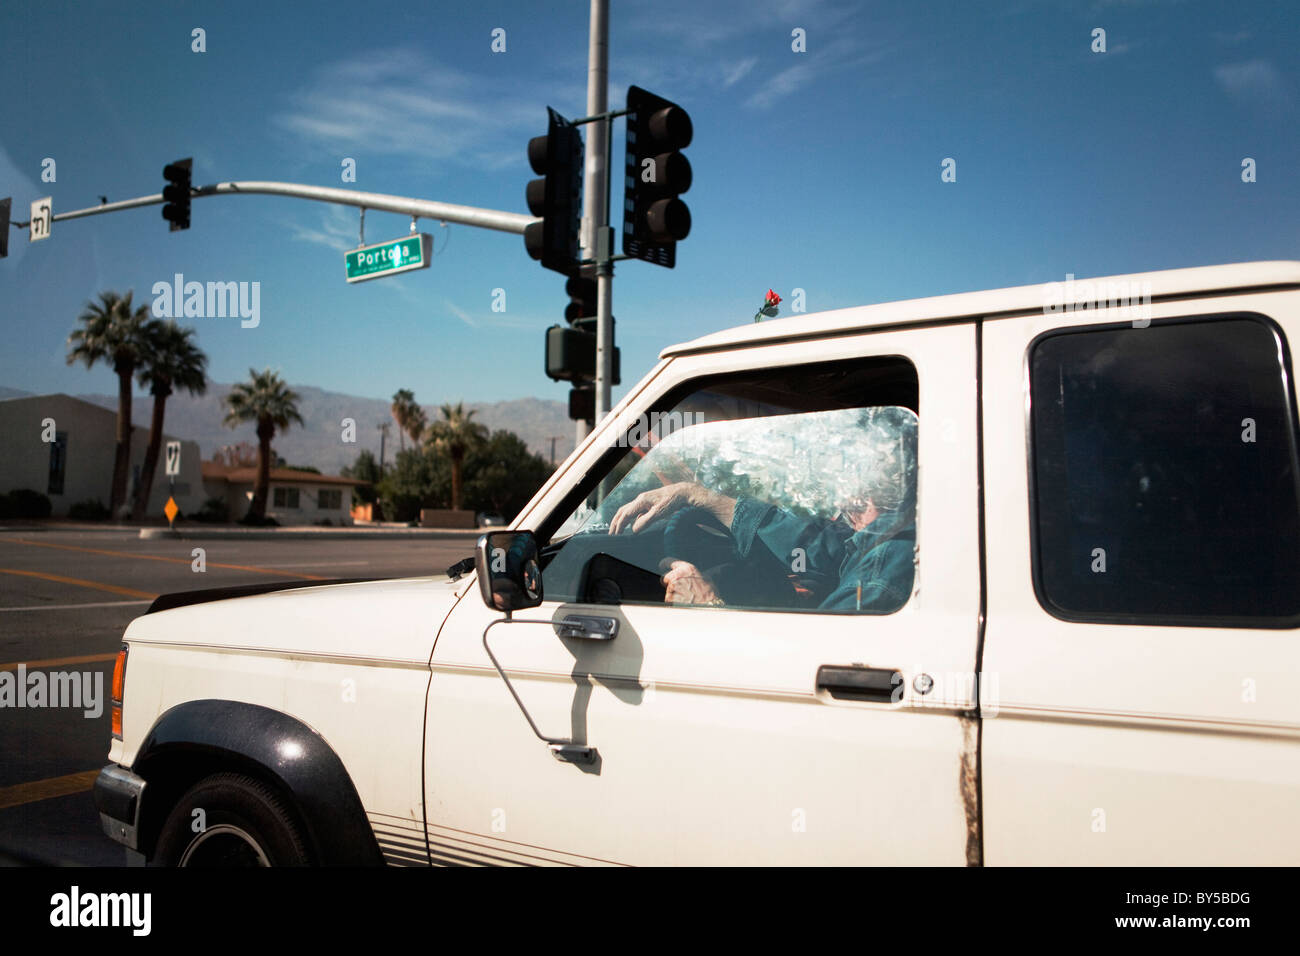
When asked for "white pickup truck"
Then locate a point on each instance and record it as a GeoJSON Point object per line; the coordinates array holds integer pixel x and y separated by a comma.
{"type": "Point", "coordinates": [1008, 577]}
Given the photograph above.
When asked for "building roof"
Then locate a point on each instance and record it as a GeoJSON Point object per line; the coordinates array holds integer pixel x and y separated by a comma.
{"type": "Point", "coordinates": [1170, 283]}
{"type": "Point", "coordinates": [107, 415]}
{"type": "Point", "coordinates": [248, 475]}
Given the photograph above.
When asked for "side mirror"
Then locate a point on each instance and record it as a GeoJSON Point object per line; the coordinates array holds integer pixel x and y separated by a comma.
{"type": "Point", "coordinates": [509, 577]}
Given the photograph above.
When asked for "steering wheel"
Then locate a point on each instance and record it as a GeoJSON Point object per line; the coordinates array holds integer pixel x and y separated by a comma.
{"type": "Point", "coordinates": [756, 580]}
{"type": "Point", "coordinates": [695, 535]}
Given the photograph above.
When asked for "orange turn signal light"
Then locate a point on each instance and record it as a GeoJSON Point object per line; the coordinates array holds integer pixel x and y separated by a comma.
{"type": "Point", "coordinates": [119, 687]}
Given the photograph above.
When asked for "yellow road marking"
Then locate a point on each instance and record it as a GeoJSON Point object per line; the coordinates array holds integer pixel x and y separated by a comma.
{"type": "Point", "coordinates": [156, 557]}
{"type": "Point", "coordinates": [80, 582]}
{"type": "Point", "coordinates": [59, 661]}
{"type": "Point", "coordinates": [21, 793]}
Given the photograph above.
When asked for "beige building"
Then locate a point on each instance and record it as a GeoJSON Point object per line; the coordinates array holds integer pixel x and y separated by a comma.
{"type": "Point", "coordinates": [295, 497]}
{"type": "Point", "coordinates": [65, 448]}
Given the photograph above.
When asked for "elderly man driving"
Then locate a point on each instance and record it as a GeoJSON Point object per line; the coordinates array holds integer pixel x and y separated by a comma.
{"type": "Point", "coordinates": [862, 560]}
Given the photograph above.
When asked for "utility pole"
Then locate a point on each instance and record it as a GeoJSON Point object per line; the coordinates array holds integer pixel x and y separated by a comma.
{"type": "Point", "coordinates": [383, 434]}
{"type": "Point", "coordinates": [554, 439]}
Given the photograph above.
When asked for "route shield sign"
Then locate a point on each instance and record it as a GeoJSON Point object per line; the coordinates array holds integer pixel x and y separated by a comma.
{"type": "Point", "coordinates": [41, 218]}
{"type": "Point", "coordinates": [388, 258]}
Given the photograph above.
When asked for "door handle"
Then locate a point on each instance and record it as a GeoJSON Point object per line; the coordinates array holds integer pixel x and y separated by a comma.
{"type": "Point", "coordinates": [588, 626]}
{"type": "Point", "coordinates": [855, 682]}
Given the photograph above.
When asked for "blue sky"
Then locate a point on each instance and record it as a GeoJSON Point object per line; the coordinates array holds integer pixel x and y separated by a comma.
{"type": "Point", "coordinates": [817, 170]}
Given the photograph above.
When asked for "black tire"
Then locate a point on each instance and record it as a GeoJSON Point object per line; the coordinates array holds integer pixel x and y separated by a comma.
{"type": "Point", "coordinates": [245, 823]}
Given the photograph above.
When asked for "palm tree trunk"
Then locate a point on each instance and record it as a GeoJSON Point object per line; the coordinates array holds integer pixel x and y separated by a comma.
{"type": "Point", "coordinates": [122, 463]}
{"type": "Point", "coordinates": [265, 430]}
{"type": "Point", "coordinates": [145, 488]}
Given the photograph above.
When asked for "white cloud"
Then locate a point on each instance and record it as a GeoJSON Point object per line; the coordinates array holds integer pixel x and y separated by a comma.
{"type": "Point", "coordinates": [1255, 80]}
{"type": "Point", "coordinates": [397, 103]}
{"type": "Point", "coordinates": [339, 228]}
{"type": "Point", "coordinates": [843, 52]}
{"type": "Point", "coordinates": [780, 84]}
{"type": "Point", "coordinates": [734, 74]}
{"type": "Point", "coordinates": [460, 313]}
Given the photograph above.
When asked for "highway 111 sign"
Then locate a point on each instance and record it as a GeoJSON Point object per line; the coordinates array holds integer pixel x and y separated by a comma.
{"type": "Point", "coordinates": [173, 458]}
{"type": "Point", "coordinates": [41, 219]}
{"type": "Point", "coordinates": [388, 258]}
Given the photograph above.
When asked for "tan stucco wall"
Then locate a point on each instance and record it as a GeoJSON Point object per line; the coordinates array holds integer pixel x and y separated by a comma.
{"type": "Point", "coordinates": [92, 440]}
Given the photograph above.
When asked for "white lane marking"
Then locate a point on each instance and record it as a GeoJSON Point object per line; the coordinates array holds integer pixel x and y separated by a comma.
{"type": "Point", "coordinates": [68, 607]}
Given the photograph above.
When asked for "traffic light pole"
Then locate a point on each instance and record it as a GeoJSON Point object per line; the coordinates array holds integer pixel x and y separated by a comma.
{"type": "Point", "coordinates": [418, 208]}
{"type": "Point", "coordinates": [596, 241]}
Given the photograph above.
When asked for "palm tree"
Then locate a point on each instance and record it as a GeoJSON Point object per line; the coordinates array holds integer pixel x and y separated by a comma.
{"type": "Point", "coordinates": [409, 416]}
{"type": "Point", "coordinates": [172, 361]}
{"type": "Point", "coordinates": [418, 423]}
{"type": "Point", "coordinates": [454, 436]}
{"type": "Point", "coordinates": [267, 400]}
{"type": "Point", "coordinates": [113, 332]}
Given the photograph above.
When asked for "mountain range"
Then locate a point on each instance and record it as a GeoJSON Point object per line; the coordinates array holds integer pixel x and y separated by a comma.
{"type": "Point", "coordinates": [319, 441]}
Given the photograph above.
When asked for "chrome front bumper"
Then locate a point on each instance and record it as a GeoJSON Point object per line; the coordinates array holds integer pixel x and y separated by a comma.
{"type": "Point", "coordinates": [117, 798]}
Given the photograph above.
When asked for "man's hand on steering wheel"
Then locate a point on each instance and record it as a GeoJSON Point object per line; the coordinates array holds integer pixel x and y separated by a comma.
{"type": "Point", "coordinates": [662, 502]}
{"type": "Point", "coordinates": [685, 584]}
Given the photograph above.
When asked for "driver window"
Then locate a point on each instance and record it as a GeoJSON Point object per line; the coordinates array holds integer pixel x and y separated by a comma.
{"type": "Point", "coordinates": [792, 489]}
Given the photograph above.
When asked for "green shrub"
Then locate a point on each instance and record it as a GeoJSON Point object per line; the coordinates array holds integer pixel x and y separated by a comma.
{"type": "Point", "coordinates": [92, 509]}
{"type": "Point", "coordinates": [25, 503]}
{"type": "Point", "coordinates": [255, 522]}
{"type": "Point", "coordinates": [214, 510]}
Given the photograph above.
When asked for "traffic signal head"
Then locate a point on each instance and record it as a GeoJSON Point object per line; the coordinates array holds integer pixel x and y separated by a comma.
{"type": "Point", "coordinates": [656, 174]}
{"type": "Point", "coordinates": [582, 404]}
{"type": "Point", "coordinates": [571, 356]}
{"type": "Point", "coordinates": [582, 299]}
{"type": "Point", "coordinates": [176, 194]}
{"type": "Point", "coordinates": [4, 225]}
{"type": "Point", "coordinates": [557, 197]}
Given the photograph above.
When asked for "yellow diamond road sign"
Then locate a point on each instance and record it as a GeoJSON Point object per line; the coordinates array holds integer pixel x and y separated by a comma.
{"type": "Point", "coordinates": [171, 509]}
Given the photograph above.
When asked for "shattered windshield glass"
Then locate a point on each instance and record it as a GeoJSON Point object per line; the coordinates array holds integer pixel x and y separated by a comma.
{"type": "Point", "coordinates": [812, 464]}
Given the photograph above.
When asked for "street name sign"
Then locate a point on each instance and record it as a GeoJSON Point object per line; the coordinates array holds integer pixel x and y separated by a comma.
{"type": "Point", "coordinates": [40, 219]}
{"type": "Point", "coordinates": [388, 258]}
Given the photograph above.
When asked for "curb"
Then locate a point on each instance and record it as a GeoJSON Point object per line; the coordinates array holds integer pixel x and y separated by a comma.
{"type": "Point", "coordinates": [102, 528]}
{"type": "Point", "coordinates": [302, 534]}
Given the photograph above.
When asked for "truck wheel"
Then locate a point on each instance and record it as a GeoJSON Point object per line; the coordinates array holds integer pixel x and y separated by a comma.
{"type": "Point", "coordinates": [230, 819]}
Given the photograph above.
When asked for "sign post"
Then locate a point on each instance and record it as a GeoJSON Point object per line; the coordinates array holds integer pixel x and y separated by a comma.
{"type": "Point", "coordinates": [171, 509]}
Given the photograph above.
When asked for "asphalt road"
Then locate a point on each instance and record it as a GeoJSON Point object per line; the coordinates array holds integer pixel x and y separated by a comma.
{"type": "Point", "coordinates": [66, 597]}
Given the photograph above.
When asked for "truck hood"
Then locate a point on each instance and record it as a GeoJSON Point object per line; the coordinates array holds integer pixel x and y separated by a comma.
{"type": "Point", "coordinates": [391, 620]}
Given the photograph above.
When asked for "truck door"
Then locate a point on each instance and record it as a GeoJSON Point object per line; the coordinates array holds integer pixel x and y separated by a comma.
{"type": "Point", "coordinates": [1141, 656]}
{"type": "Point", "coordinates": [810, 705]}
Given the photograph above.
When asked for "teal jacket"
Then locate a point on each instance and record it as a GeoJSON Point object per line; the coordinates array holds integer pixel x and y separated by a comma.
{"type": "Point", "coordinates": [869, 570]}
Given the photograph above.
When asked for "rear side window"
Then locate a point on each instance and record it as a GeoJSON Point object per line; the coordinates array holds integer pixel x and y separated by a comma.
{"type": "Point", "coordinates": [1164, 473]}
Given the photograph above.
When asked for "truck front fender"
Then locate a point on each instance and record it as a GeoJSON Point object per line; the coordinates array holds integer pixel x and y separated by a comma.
{"type": "Point", "coordinates": [224, 735]}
